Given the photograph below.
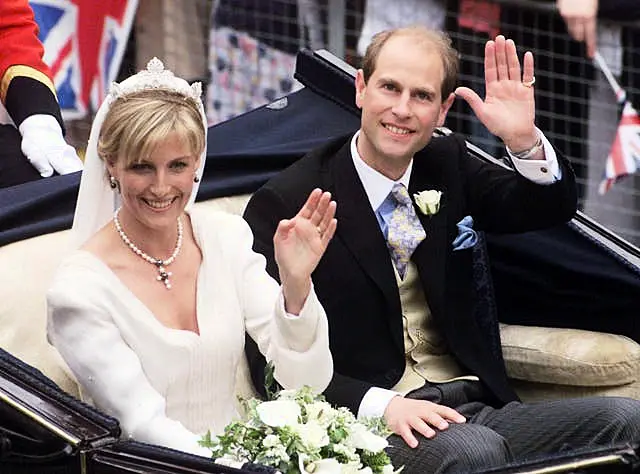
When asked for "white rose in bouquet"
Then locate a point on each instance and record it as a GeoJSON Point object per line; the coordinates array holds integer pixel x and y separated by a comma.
{"type": "Point", "coordinates": [300, 433]}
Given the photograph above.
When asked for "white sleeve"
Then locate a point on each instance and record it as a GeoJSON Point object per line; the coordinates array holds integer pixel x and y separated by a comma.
{"type": "Point", "coordinates": [375, 402]}
{"type": "Point", "coordinates": [545, 171]}
{"type": "Point", "coordinates": [298, 346]}
{"type": "Point", "coordinates": [108, 370]}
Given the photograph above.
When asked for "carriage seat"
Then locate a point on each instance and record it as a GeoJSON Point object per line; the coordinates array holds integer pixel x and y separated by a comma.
{"type": "Point", "coordinates": [543, 363]}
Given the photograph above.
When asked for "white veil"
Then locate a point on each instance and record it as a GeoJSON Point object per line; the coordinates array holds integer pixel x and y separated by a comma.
{"type": "Point", "coordinates": [97, 201]}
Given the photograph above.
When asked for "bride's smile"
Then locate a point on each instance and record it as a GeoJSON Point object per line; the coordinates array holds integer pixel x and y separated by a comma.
{"type": "Point", "coordinates": [160, 205]}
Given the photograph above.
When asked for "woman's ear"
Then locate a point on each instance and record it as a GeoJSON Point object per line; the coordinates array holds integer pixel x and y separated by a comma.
{"type": "Point", "coordinates": [110, 164]}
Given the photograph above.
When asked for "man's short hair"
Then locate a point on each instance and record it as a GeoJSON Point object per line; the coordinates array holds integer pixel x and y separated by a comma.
{"type": "Point", "coordinates": [438, 40]}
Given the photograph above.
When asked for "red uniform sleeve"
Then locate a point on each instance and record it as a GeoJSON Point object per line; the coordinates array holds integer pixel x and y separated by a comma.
{"type": "Point", "coordinates": [26, 87]}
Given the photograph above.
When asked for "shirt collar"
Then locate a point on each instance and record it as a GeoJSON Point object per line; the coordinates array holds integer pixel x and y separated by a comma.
{"type": "Point", "coordinates": [376, 185]}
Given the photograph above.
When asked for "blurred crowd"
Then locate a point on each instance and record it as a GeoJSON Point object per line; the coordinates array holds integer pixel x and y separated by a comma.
{"type": "Point", "coordinates": [253, 46]}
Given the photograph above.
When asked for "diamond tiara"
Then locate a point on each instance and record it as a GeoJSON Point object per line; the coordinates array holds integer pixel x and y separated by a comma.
{"type": "Point", "coordinates": [155, 77]}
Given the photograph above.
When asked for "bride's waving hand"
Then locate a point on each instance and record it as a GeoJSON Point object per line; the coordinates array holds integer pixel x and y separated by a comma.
{"type": "Point", "coordinates": [299, 244]}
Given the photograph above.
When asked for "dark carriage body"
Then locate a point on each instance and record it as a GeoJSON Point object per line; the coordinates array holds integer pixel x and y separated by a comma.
{"type": "Point", "coordinates": [578, 275]}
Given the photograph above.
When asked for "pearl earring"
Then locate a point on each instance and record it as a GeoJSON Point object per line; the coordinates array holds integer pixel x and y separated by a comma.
{"type": "Point", "coordinates": [113, 182]}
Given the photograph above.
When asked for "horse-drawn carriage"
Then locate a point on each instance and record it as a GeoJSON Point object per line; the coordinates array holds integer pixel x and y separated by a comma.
{"type": "Point", "coordinates": [562, 303]}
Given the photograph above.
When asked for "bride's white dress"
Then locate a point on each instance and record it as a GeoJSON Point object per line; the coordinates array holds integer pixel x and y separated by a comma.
{"type": "Point", "coordinates": [169, 386]}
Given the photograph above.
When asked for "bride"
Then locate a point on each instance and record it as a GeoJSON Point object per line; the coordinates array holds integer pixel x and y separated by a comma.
{"type": "Point", "coordinates": [150, 311]}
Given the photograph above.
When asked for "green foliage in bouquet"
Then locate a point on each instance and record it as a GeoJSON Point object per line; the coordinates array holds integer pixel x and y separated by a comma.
{"type": "Point", "coordinates": [298, 432]}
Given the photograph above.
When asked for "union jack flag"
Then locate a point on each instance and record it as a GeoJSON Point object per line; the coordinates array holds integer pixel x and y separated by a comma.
{"type": "Point", "coordinates": [624, 157]}
{"type": "Point", "coordinates": [84, 41]}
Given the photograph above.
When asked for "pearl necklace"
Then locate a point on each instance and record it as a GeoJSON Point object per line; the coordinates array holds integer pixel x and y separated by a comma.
{"type": "Point", "coordinates": [163, 274]}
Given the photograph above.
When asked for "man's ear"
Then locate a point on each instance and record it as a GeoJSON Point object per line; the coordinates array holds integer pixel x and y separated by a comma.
{"type": "Point", "coordinates": [360, 88]}
{"type": "Point", "coordinates": [444, 109]}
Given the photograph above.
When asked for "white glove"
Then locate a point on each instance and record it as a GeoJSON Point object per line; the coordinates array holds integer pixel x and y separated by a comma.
{"type": "Point", "coordinates": [45, 147]}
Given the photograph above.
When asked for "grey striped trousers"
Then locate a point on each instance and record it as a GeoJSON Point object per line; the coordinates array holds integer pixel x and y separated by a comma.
{"type": "Point", "coordinates": [516, 432]}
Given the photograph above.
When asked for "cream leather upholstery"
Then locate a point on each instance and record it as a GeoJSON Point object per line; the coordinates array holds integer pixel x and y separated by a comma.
{"type": "Point", "coordinates": [542, 362]}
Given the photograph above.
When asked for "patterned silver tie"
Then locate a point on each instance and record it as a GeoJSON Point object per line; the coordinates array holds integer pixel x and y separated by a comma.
{"type": "Point", "coordinates": [405, 231]}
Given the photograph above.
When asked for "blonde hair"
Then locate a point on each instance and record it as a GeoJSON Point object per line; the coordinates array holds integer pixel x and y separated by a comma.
{"type": "Point", "coordinates": [138, 122]}
{"type": "Point", "coordinates": [438, 40]}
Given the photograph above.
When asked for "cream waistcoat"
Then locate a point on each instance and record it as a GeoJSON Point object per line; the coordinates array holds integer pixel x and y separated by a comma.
{"type": "Point", "coordinates": [426, 351]}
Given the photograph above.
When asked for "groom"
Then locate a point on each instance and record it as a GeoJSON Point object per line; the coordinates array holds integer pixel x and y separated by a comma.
{"type": "Point", "coordinates": [396, 280]}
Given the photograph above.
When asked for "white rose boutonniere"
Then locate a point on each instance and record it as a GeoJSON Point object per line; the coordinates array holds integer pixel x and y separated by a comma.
{"type": "Point", "coordinates": [428, 201]}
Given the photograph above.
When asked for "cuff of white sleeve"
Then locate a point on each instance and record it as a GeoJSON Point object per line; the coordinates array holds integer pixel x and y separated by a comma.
{"type": "Point", "coordinates": [375, 402]}
{"type": "Point", "coordinates": [545, 171]}
{"type": "Point", "coordinates": [300, 330]}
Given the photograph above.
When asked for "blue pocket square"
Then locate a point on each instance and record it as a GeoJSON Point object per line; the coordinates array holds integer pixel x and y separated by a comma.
{"type": "Point", "coordinates": [467, 237]}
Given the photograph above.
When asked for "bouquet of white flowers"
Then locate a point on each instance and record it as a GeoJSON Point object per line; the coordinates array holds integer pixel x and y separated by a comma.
{"type": "Point", "coordinates": [298, 433]}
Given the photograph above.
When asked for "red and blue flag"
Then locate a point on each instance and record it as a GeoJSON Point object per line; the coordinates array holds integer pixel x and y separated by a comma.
{"type": "Point", "coordinates": [84, 41]}
{"type": "Point", "coordinates": [624, 157]}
